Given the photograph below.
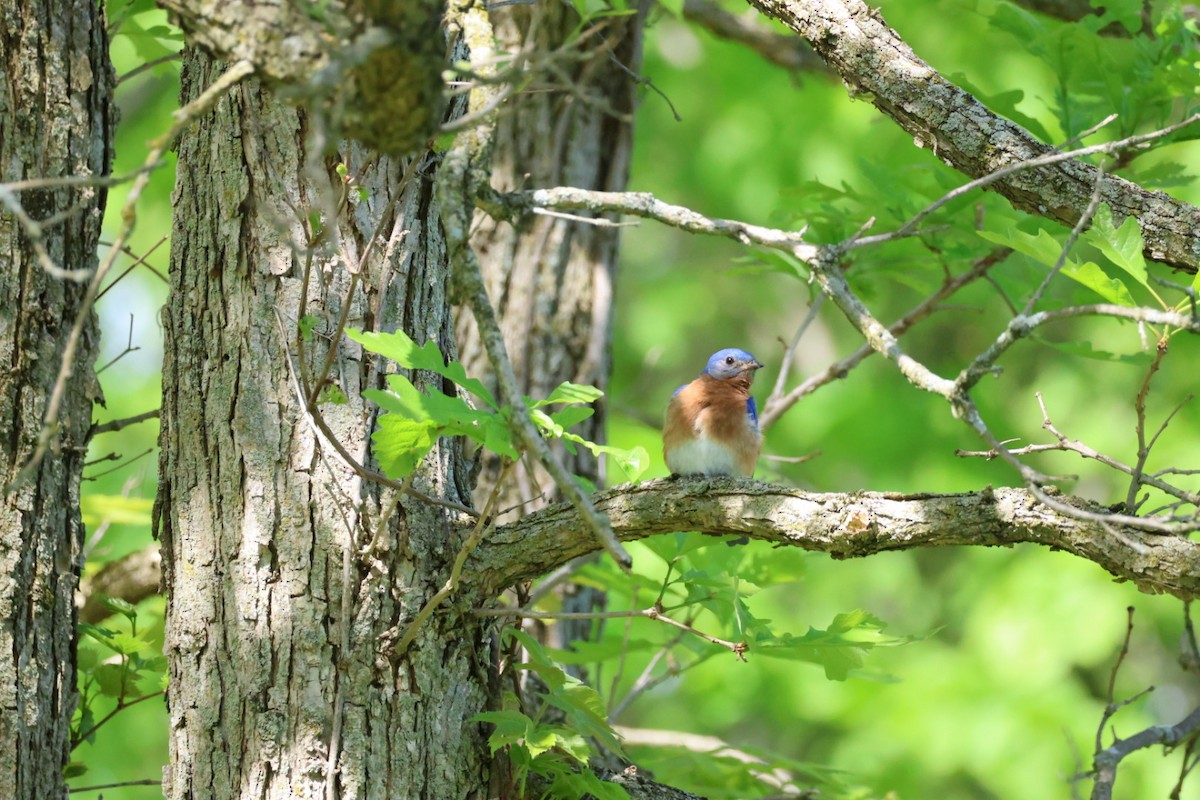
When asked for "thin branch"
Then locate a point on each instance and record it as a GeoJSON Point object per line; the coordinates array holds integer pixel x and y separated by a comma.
{"type": "Point", "coordinates": [123, 465]}
{"type": "Point", "coordinates": [100, 787]}
{"type": "Point", "coordinates": [118, 424]}
{"type": "Point", "coordinates": [654, 612]}
{"type": "Point", "coordinates": [1085, 219]}
{"type": "Point", "coordinates": [1109, 759]}
{"type": "Point", "coordinates": [773, 410]}
{"type": "Point", "coordinates": [137, 262]}
{"type": "Point", "coordinates": [483, 526]}
{"type": "Point", "coordinates": [129, 348]}
{"type": "Point", "coordinates": [149, 65]}
{"type": "Point", "coordinates": [789, 52]}
{"type": "Point", "coordinates": [121, 706]}
{"type": "Point", "coordinates": [1139, 405]}
{"type": "Point", "coordinates": [1075, 446]}
{"type": "Point", "coordinates": [789, 353]}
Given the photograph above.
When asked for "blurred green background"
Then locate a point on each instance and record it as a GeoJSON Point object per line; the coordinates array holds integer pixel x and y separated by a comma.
{"type": "Point", "coordinates": [1001, 693]}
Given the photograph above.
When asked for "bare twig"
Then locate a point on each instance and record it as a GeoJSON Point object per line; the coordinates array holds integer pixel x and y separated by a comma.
{"type": "Point", "coordinates": [129, 348]}
{"type": "Point", "coordinates": [137, 263]}
{"type": "Point", "coordinates": [789, 52]}
{"type": "Point", "coordinates": [1085, 219]}
{"type": "Point", "coordinates": [118, 424]}
{"type": "Point", "coordinates": [1143, 451]}
{"type": "Point", "coordinates": [1075, 446]}
{"type": "Point", "coordinates": [654, 612]}
{"type": "Point", "coordinates": [773, 410]}
{"type": "Point", "coordinates": [100, 787]}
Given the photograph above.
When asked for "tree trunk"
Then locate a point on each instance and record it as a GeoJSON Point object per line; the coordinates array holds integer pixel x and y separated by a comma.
{"type": "Point", "coordinates": [287, 593]}
{"type": "Point", "coordinates": [552, 279]}
{"type": "Point", "coordinates": [55, 121]}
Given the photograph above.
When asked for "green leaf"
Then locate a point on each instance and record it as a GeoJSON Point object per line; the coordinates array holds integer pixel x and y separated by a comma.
{"type": "Point", "coordinates": [511, 727]}
{"type": "Point", "coordinates": [119, 606]}
{"type": "Point", "coordinates": [572, 416]}
{"type": "Point", "coordinates": [1122, 246]}
{"type": "Point", "coordinates": [306, 324]}
{"type": "Point", "coordinates": [541, 739]}
{"type": "Point", "coordinates": [332, 393]}
{"type": "Point", "coordinates": [404, 351]}
{"type": "Point", "coordinates": [86, 657]}
{"type": "Point", "coordinates": [840, 649]}
{"type": "Point", "coordinates": [111, 678]}
{"type": "Point", "coordinates": [497, 436]}
{"type": "Point", "coordinates": [1046, 250]}
{"type": "Point", "coordinates": [101, 635]}
{"type": "Point", "coordinates": [399, 443]}
{"type": "Point", "coordinates": [567, 392]}
{"type": "Point", "coordinates": [632, 462]}
{"type": "Point", "coordinates": [1084, 349]}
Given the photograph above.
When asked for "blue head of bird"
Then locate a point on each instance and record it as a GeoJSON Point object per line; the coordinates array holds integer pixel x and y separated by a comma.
{"type": "Point", "coordinates": [731, 362]}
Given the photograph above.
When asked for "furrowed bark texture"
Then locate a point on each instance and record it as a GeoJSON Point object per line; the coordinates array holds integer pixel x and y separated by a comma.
{"type": "Point", "coordinates": [55, 121]}
{"type": "Point", "coordinates": [874, 62]}
{"type": "Point", "coordinates": [552, 279]}
{"type": "Point", "coordinates": [281, 630]}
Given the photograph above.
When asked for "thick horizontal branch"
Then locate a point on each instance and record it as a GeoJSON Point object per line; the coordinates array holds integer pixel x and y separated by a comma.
{"type": "Point", "coordinates": [876, 64]}
{"type": "Point", "coordinates": [131, 578]}
{"type": "Point", "coordinates": [843, 525]}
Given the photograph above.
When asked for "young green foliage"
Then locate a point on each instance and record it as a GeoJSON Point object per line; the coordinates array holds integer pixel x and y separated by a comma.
{"type": "Point", "coordinates": [120, 666]}
{"type": "Point", "coordinates": [557, 754]}
{"type": "Point", "coordinates": [413, 420]}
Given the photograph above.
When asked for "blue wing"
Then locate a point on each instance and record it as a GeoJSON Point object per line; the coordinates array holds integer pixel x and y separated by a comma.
{"type": "Point", "coordinates": [752, 410]}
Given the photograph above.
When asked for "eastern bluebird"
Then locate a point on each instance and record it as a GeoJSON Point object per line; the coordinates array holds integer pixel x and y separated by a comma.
{"type": "Point", "coordinates": [712, 422]}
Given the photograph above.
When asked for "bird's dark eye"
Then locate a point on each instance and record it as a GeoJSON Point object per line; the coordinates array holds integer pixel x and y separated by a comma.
{"type": "Point", "coordinates": [729, 360]}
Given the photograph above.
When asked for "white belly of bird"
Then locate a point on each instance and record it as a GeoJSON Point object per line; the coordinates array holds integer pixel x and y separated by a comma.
{"type": "Point", "coordinates": [701, 457]}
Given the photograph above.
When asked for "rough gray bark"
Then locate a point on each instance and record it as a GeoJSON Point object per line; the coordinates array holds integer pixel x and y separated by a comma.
{"type": "Point", "coordinates": [55, 121]}
{"type": "Point", "coordinates": [876, 64]}
{"type": "Point", "coordinates": [287, 592]}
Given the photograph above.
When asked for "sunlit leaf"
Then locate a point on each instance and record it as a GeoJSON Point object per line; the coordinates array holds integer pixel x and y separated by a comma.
{"type": "Point", "coordinates": [404, 351]}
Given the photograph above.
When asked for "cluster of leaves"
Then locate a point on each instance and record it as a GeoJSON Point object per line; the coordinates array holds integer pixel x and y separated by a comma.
{"type": "Point", "coordinates": [1121, 247]}
{"type": "Point", "coordinates": [1148, 80]}
{"type": "Point", "coordinates": [122, 667]}
{"type": "Point", "coordinates": [701, 582]}
{"type": "Point", "coordinates": [144, 25]}
{"type": "Point", "coordinates": [415, 419]}
{"type": "Point", "coordinates": [554, 754]}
